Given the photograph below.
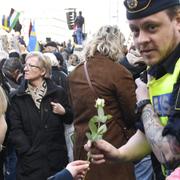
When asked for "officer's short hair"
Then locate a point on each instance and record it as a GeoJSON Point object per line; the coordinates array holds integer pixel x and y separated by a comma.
{"type": "Point", "coordinates": [172, 11]}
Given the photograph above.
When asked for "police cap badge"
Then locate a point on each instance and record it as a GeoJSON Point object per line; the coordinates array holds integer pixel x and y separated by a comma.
{"type": "Point", "coordinates": [141, 8]}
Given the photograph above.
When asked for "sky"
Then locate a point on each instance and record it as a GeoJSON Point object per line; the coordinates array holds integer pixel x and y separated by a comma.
{"type": "Point", "coordinates": [50, 15]}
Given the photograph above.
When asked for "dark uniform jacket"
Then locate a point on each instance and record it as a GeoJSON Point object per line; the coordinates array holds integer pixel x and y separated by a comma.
{"type": "Point", "coordinates": [38, 135]}
{"type": "Point", "coordinates": [115, 84]}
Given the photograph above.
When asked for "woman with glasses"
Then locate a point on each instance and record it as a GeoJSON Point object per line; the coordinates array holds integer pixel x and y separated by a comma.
{"type": "Point", "coordinates": [37, 114]}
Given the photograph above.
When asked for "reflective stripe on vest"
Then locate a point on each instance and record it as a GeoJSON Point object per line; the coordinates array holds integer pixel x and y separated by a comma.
{"type": "Point", "coordinates": [160, 91]}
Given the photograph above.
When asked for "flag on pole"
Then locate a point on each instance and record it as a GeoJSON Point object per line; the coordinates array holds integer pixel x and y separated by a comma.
{"type": "Point", "coordinates": [5, 23]}
{"type": "Point", "coordinates": [33, 44]}
{"type": "Point", "coordinates": [14, 17]}
{"type": "Point", "coordinates": [11, 12]}
{"type": "Point", "coordinates": [9, 22]}
{"type": "Point", "coordinates": [30, 28]}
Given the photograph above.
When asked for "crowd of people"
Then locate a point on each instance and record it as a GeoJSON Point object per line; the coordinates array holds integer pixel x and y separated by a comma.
{"type": "Point", "coordinates": [44, 94]}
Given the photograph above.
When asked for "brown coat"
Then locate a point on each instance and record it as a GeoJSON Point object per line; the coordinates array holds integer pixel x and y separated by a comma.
{"type": "Point", "coordinates": [115, 84]}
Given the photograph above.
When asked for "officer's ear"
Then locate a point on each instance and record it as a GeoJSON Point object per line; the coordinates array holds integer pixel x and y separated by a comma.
{"type": "Point", "coordinates": [178, 19]}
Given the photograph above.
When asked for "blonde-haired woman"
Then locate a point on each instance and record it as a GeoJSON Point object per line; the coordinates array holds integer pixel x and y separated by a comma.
{"type": "Point", "coordinates": [111, 81]}
{"type": "Point", "coordinates": [3, 107]}
{"type": "Point", "coordinates": [37, 115]}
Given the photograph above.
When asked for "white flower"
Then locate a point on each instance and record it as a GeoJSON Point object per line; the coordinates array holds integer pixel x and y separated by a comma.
{"type": "Point", "coordinates": [100, 103]}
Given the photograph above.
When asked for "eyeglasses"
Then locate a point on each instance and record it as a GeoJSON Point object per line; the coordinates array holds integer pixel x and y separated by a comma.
{"type": "Point", "coordinates": [31, 66]}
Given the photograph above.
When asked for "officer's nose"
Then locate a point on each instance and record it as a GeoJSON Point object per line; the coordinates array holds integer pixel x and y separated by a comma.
{"type": "Point", "coordinates": [143, 38]}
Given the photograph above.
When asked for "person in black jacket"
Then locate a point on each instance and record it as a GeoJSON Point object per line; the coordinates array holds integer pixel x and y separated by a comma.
{"type": "Point", "coordinates": [57, 75]}
{"type": "Point", "coordinates": [13, 75]}
{"type": "Point", "coordinates": [134, 62]}
{"type": "Point", "coordinates": [37, 115]}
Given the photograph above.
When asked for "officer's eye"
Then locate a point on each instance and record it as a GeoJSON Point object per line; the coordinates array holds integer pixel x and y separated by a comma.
{"type": "Point", "coordinates": [151, 27]}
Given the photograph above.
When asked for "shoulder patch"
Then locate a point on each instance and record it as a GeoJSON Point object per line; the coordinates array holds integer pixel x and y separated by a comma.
{"type": "Point", "coordinates": [177, 105]}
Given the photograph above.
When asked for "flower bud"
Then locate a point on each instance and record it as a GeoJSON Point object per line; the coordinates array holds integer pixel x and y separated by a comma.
{"type": "Point", "coordinates": [100, 103]}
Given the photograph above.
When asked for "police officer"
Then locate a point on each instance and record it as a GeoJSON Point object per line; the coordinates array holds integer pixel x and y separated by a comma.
{"type": "Point", "coordinates": [155, 26]}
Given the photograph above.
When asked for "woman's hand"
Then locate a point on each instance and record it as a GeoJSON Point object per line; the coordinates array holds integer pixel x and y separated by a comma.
{"type": "Point", "coordinates": [58, 108]}
{"type": "Point", "coordinates": [78, 168]}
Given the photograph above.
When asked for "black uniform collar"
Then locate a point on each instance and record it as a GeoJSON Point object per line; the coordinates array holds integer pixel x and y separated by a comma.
{"type": "Point", "coordinates": [166, 66]}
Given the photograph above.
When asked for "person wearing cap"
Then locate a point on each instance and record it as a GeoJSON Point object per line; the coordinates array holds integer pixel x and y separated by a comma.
{"type": "Point", "coordinates": [51, 47]}
{"type": "Point", "coordinates": [156, 31]}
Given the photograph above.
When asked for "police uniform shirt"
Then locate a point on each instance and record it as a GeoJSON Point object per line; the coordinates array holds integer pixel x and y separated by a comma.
{"type": "Point", "coordinates": [159, 70]}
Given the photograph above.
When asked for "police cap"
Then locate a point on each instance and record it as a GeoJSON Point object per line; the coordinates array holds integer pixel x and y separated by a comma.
{"type": "Point", "coordinates": [141, 8]}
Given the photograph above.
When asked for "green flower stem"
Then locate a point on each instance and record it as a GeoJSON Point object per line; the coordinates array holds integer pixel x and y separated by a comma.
{"type": "Point", "coordinates": [97, 125]}
{"type": "Point", "coordinates": [88, 159]}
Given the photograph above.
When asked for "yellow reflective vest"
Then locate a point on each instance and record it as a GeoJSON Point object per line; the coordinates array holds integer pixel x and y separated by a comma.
{"type": "Point", "coordinates": [160, 91]}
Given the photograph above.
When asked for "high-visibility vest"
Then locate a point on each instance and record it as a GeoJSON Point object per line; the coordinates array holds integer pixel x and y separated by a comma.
{"type": "Point", "coordinates": [160, 91]}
